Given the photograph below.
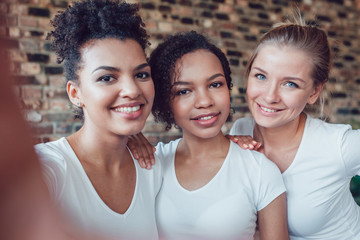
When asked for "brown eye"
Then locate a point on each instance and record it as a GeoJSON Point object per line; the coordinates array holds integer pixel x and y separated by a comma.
{"type": "Point", "coordinates": [106, 78]}
{"type": "Point", "coordinates": [216, 85]}
{"type": "Point", "coordinates": [142, 75]}
{"type": "Point", "coordinates": [182, 92]}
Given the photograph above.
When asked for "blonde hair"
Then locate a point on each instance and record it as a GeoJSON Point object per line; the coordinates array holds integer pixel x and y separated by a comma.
{"type": "Point", "coordinates": [296, 33]}
{"type": "Point", "coordinates": [302, 36]}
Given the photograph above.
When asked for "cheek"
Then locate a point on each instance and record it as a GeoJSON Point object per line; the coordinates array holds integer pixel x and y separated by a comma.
{"type": "Point", "coordinates": [180, 107]}
{"type": "Point", "coordinates": [149, 91]}
{"type": "Point", "coordinates": [294, 101]}
{"type": "Point", "coordinates": [97, 94]}
{"type": "Point", "coordinates": [252, 92]}
{"type": "Point", "coordinates": [223, 100]}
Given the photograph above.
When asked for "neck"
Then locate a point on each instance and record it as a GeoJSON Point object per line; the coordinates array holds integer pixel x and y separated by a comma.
{"type": "Point", "coordinates": [100, 149]}
{"type": "Point", "coordinates": [202, 148]}
{"type": "Point", "coordinates": [280, 137]}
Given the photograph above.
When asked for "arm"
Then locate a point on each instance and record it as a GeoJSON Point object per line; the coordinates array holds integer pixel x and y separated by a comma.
{"type": "Point", "coordinates": [272, 220]}
{"type": "Point", "coordinates": [27, 211]}
{"type": "Point", "coordinates": [142, 150]}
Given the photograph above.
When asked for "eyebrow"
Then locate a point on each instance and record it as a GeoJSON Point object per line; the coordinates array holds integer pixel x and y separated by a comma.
{"type": "Point", "coordinates": [141, 66]}
{"type": "Point", "coordinates": [289, 78]}
{"type": "Point", "coordinates": [260, 69]}
{"type": "Point", "coordinates": [114, 69]}
{"type": "Point", "coordinates": [187, 83]}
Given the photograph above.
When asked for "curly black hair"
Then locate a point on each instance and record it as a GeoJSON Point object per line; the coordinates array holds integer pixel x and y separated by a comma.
{"type": "Point", "coordinates": [162, 62]}
{"type": "Point", "coordinates": [93, 19]}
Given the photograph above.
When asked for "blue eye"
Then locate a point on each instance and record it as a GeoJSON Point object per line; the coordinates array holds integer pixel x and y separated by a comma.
{"type": "Point", "coordinates": [260, 76]}
{"type": "Point", "coordinates": [216, 85]}
{"type": "Point", "coordinates": [142, 75]}
{"type": "Point", "coordinates": [291, 85]}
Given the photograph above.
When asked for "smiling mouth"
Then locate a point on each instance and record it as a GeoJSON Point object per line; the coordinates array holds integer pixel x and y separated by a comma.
{"type": "Point", "coordinates": [205, 118]}
{"type": "Point", "coordinates": [268, 109]}
{"type": "Point", "coordinates": [127, 109]}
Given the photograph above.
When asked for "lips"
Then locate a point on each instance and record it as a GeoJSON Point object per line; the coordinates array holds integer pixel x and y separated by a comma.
{"type": "Point", "coordinates": [268, 110]}
{"type": "Point", "coordinates": [206, 120]}
{"type": "Point", "coordinates": [205, 117]}
{"type": "Point", "coordinates": [127, 109]}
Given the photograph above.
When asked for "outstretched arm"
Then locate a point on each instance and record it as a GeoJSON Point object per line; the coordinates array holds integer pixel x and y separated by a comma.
{"type": "Point", "coordinates": [27, 211]}
{"type": "Point", "coordinates": [273, 220]}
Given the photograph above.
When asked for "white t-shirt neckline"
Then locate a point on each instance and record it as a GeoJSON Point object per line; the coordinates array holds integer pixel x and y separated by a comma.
{"type": "Point", "coordinates": [91, 187]}
{"type": "Point", "coordinates": [204, 187]}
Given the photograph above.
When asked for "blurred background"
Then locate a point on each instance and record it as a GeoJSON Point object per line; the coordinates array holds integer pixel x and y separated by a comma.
{"type": "Point", "coordinates": [234, 25]}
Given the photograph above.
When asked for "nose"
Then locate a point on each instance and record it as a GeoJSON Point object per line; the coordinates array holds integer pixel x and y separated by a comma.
{"type": "Point", "coordinates": [129, 88]}
{"type": "Point", "coordinates": [271, 94]}
{"type": "Point", "coordinates": [203, 99]}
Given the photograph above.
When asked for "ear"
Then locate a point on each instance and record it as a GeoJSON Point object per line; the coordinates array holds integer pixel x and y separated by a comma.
{"type": "Point", "coordinates": [73, 92]}
{"type": "Point", "coordinates": [316, 93]}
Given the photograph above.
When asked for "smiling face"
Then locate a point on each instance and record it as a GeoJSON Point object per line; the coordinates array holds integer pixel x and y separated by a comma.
{"type": "Point", "coordinates": [280, 86]}
{"type": "Point", "coordinates": [115, 86]}
{"type": "Point", "coordinates": [201, 98]}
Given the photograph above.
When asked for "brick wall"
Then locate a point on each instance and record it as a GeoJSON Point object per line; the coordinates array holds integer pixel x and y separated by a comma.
{"type": "Point", "coordinates": [234, 25]}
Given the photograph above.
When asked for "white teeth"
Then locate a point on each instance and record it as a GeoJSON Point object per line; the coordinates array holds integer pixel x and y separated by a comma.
{"type": "Point", "coordinates": [268, 110]}
{"type": "Point", "coordinates": [206, 118]}
{"type": "Point", "coordinates": [127, 109]}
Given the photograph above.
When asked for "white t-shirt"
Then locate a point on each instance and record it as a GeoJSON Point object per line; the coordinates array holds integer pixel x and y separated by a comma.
{"type": "Point", "coordinates": [73, 191]}
{"type": "Point", "coordinates": [320, 204]}
{"type": "Point", "coordinates": [226, 207]}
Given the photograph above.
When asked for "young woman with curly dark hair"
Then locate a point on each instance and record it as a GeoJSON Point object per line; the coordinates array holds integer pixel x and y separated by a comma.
{"type": "Point", "coordinates": [91, 174]}
{"type": "Point", "coordinates": [212, 189]}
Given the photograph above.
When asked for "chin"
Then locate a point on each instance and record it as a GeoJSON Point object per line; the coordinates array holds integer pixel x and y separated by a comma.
{"type": "Point", "coordinates": [131, 130]}
{"type": "Point", "coordinates": [208, 135]}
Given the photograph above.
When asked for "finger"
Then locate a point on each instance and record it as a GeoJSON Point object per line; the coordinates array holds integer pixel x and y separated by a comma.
{"type": "Point", "coordinates": [153, 156]}
{"type": "Point", "coordinates": [143, 155]}
{"type": "Point", "coordinates": [142, 163]}
{"type": "Point", "coordinates": [135, 154]}
{"type": "Point", "coordinates": [148, 152]}
{"type": "Point", "coordinates": [258, 146]}
{"type": "Point", "coordinates": [151, 151]}
{"type": "Point", "coordinates": [132, 146]}
{"type": "Point", "coordinates": [232, 138]}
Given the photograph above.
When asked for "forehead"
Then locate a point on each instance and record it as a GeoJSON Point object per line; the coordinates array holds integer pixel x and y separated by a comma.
{"type": "Point", "coordinates": [198, 63]}
{"type": "Point", "coordinates": [283, 59]}
{"type": "Point", "coordinates": [112, 52]}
